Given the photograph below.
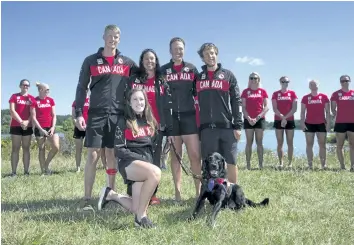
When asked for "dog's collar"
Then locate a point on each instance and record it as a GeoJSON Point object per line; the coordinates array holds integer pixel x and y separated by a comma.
{"type": "Point", "coordinates": [212, 182]}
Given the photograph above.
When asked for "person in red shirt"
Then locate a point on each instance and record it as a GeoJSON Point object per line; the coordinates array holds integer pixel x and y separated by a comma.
{"type": "Point", "coordinates": [44, 118]}
{"type": "Point", "coordinates": [254, 108]}
{"type": "Point", "coordinates": [315, 119]}
{"type": "Point", "coordinates": [149, 77]}
{"type": "Point", "coordinates": [80, 135]}
{"type": "Point", "coordinates": [342, 104]}
{"type": "Point", "coordinates": [284, 103]}
{"type": "Point", "coordinates": [21, 126]}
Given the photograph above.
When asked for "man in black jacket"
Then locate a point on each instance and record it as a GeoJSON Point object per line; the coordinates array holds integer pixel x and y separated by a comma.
{"type": "Point", "coordinates": [107, 72]}
{"type": "Point", "coordinates": [220, 125]}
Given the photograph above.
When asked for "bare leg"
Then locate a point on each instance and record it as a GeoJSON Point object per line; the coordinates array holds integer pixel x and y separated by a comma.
{"type": "Point", "coordinates": [249, 143]}
{"type": "Point", "coordinates": [290, 142]}
{"type": "Point", "coordinates": [41, 153]}
{"type": "Point", "coordinates": [321, 138]}
{"type": "Point", "coordinates": [26, 144]}
{"type": "Point", "coordinates": [90, 171]}
{"type": "Point", "coordinates": [279, 133]}
{"type": "Point", "coordinates": [54, 141]}
{"type": "Point", "coordinates": [111, 163]}
{"type": "Point", "coordinates": [310, 138]}
{"type": "Point", "coordinates": [340, 143]}
{"type": "Point", "coordinates": [78, 153]}
{"type": "Point", "coordinates": [351, 149]}
{"type": "Point", "coordinates": [15, 152]}
{"type": "Point", "coordinates": [176, 167]}
{"type": "Point", "coordinates": [259, 141]}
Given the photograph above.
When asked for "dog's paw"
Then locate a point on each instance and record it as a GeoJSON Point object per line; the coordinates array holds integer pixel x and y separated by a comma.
{"type": "Point", "coordinates": [265, 201]}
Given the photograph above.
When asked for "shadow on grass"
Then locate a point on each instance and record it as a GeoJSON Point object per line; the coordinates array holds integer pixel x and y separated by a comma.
{"type": "Point", "coordinates": [54, 172]}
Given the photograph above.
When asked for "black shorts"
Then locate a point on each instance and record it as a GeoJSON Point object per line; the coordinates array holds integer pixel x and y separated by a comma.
{"type": "Point", "coordinates": [219, 140]}
{"type": "Point", "coordinates": [184, 123]}
{"type": "Point", "coordinates": [259, 124]}
{"type": "Point", "coordinates": [79, 134]}
{"type": "Point", "coordinates": [20, 131]}
{"type": "Point", "coordinates": [128, 159]}
{"type": "Point", "coordinates": [314, 128]}
{"type": "Point", "coordinates": [39, 134]}
{"type": "Point", "coordinates": [100, 130]}
{"type": "Point", "coordinates": [157, 141]}
{"type": "Point", "coordinates": [290, 125]}
{"type": "Point", "coordinates": [343, 127]}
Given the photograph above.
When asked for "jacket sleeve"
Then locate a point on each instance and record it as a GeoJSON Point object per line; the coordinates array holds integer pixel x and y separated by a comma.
{"type": "Point", "coordinates": [120, 146]}
{"type": "Point", "coordinates": [84, 80]}
{"type": "Point", "coordinates": [236, 102]}
{"type": "Point", "coordinates": [194, 88]}
{"type": "Point", "coordinates": [166, 100]}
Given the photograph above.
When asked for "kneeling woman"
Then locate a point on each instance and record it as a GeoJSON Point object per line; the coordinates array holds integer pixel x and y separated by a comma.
{"type": "Point", "coordinates": [134, 149]}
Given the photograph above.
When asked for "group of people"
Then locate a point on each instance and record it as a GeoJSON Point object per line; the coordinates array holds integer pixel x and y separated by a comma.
{"type": "Point", "coordinates": [123, 111]}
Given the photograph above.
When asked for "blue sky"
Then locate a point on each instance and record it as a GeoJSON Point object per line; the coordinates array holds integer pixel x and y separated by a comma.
{"type": "Point", "coordinates": [47, 41]}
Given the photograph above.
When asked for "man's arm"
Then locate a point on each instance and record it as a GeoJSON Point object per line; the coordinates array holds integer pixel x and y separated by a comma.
{"type": "Point", "coordinates": [84, 80]}
{"type": "Point", "coordinates": [235, 101]}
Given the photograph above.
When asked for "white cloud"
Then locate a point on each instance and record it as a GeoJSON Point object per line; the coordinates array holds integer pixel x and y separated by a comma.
{"type": "Point", "coordinates": [250, 60]}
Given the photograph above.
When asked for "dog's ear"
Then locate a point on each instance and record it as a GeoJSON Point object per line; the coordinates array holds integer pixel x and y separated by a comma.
{"type": "Point", "coordinates": [205, 168]}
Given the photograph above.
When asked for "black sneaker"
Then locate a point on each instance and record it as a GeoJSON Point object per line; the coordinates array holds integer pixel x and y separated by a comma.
{"type": "Point", "coordinates": [102, 201]}
{"type": "Point", "coordinates": [144, 223]}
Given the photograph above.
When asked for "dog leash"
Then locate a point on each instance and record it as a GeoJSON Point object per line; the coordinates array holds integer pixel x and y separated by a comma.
{"type": "Point", "coordinates": [183, 165]}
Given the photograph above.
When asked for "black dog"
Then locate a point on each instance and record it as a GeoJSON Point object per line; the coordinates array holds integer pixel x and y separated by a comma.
{"type": "Point", "coordinates": [215, 188]}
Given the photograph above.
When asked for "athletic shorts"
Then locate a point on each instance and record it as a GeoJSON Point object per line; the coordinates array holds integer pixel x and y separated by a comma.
{"type": "Point", "coordinates": [343, 127]}
{"type": "Point", "coordinates": [259, 124]}
{"type": "Point", "coordinates": [124, 162]}
{"type": "Point", "coordinates": [100, 130]}
{"type": "Point", "coordinates": [37, 133]}
{"type": "Point", "coordinates": [20, 131]}
{"type": "Point", "coordinates": [289, 125]}
{"type": "Point", "coordinates": [79, 134]}
{"type": "Point", "coordinates": [219, 140]}
{"type": "Point", "coordinates": [314, 128]}
{"type": "Point", "coordinates": [184, 123]}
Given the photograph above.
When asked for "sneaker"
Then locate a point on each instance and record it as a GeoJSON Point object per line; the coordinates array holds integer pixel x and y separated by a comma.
{"type": "Point", "coordinates": [26, 173]}
{"type": "Point", "coordinates": [154, 201]}
{"type": "Point", "coordinates": [13, 175]}
{"type": "Point", "coordinates": [102, 201]}
{"type": "Point", "coordinates": [85, 205]}
{"type": "Point", "coordinates": [144, 223]}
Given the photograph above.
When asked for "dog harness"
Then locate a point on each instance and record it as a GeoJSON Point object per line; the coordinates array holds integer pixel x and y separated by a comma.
{"type": "Point", "coordinates": [212, 183]}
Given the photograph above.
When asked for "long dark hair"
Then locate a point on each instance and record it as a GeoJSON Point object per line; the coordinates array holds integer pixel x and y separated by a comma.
{"type": "Point", "coordinates": [142, 72]}
{"type": "Point", "coordinates": [131, 117]}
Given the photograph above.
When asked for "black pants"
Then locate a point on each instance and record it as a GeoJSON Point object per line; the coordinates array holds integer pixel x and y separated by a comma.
{"type": "Point", "coordinates": [156, 160]}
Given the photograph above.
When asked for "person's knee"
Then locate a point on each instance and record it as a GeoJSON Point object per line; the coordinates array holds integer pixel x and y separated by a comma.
{"type": "Point", "coordinates": [26, 148]}
{"type": "Point", "coordinates": [15, 148]}
{"type": "Point", "coordinates": [259, 143]}
{"type": "Point", "coordinates": [155, 173]}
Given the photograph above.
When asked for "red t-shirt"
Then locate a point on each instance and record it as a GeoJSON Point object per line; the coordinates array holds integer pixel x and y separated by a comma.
{"type": "Point", "coordinates": [196, 105]}
{"type": "Point", "coordinates": [345, 106]}
{"type": "Point", "coordinates": [284, 102]}
{"type": "Point", "coordinates": [85, 109]}
{"type": "Point", "coordinates": [110, 60]}
{"type": "Point", "coordinates": [254, 101]}
{"type": "Point", "coordinates": [150, 92]}
{"type": "Point", "coordinates": [44, 111]}
{"type": "Point", "coordinates": [22, 107]}
{"type": "Point", "coordinates": [178, 68]}
{"type": "Point", "coordinates": [315, 108]}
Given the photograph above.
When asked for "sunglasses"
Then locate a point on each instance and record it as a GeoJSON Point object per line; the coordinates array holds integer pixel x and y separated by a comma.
{"type": "Point", "coordinates": [285, 81]}
{"type": "Point", "coordinates": [254, 78]}
{"type": "Point", "coordinates": [25, 85]}
{"type": "Point", "coordinates": [344, 81]}
{"type": "Point", "coordinates": [47, 90]}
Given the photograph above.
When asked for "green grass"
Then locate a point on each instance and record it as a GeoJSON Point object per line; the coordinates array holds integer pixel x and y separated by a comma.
{"type": "Point", "coordinates": [305, 208]}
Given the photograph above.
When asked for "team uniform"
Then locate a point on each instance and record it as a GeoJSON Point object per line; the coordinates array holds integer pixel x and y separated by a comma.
{"type": "Point", "coordinates": [130, 146]}
{"type": "Point", "coordinates": [315, 119]}
{"type": "Point", "coordinates": [160, 103]}
{"type": "Point", "coordinates": [180, 79]}
{"type": "Point", "coordinates": [107, 77]}
{"type": "Point", "coordinates": [345, 111]}
{"type": "Point", "coordinates": [22, 107]}
{"type": "Point", "coordinates": [77, 133]}
{"type": "Point", "coordinates": [254, 106]}
{"type": "Point", "coordinates": [216, 91]}
{"type": "Point", "coordinates": [43, 114]}
{"type": "Point", "coordinates": [284, 103]}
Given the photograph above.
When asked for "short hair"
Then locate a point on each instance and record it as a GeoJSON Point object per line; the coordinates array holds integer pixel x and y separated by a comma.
{"type": "Point", "coordinates": [112, 28]}
{"type": "Point", "coordinates": [177, 39]}
{"type": "Point", "coordinates": [23, 80]}
{"type": "Point", "coordinates": [283, 77]}
{"type": "Point", "coordinates": [344, 76]}
{"type": "Point", "coordinates": [207, 46]}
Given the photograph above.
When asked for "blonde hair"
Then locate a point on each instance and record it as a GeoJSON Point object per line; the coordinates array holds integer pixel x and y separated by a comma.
{"type": "Point", "coordinates": [41, 85]}
{"type": "Point", "coordinates": [114, 28]}
{"type": "Point", "coordinates": [259, 79]}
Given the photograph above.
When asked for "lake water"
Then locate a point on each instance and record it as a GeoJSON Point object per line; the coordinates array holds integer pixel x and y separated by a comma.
{"type": "Point", "coordinates": [270, 142]}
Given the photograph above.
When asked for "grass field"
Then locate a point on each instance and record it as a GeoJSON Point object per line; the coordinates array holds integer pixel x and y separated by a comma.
{"type": "Point", "coordinates": [306, 207]}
